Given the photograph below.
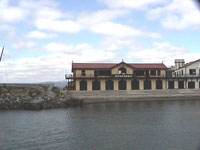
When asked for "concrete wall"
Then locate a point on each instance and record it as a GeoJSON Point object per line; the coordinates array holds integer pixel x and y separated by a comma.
{"type": "Point", "coordinates": [103, 85]}
{"type": "Point", "coordinates": [153, 84]}
{"type": "Point", "coordinates": [78, 73]}
{"type": "Point", "coordinates": [141, 84]}
{"type": "Point", "coordinates": [77, 85]}
{"type": "Point", "coordinates": [128, 85]}
{"type": "Point", "coordinates": [89, 73]}
{"type": "Point", "coordinates": [89, 85]}
{"type": "Point", "coordinates": [116, 86]}
{"type": "Point", "coordinates": [164, 82]}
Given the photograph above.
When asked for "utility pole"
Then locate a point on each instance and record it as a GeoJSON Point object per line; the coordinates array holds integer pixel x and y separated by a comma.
{"type": "Point", "coordinates": [1, 53]}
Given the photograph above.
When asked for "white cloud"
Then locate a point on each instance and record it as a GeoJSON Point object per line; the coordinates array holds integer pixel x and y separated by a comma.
{"type": "Point", "coordinates": [8, 32]}
{"type": "Point", "coordinates": [120, 31]}
{"type": "Point", "coordinates": [23, 45]}
{"type": "Point", "coordinates": [40, 35]}
{"type": "Point", "coordinates": [51, 67]}
{"type": "Point", "coordinates": [113, 44]}
{"type": "Point", "coordinates": [178, 14]}
{"type": "Point", "coordinates": [133, 4]}
{"type": "Point", "coordinates": [11, 14]}
{"type": "Point", "coordinates": [161, 52]}
{"type": "Point", "coordinates": [50, 13]}
{"type": "Point", "coordinates": [115, 29]}
{"type": "Point", "coordinates": [63, 26]}
{"type": "Point", "coordinates": [100, 16]}
{"type": "Point", "coordinates": [59, 47]}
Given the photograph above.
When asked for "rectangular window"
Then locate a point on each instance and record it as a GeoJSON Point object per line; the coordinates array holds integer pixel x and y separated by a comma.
{"type": "Point", "coordinates": [158, 72]}
{"type": "Point", "coordinates": [153, 72]}
{"type": "Point", "coordinates": [182, 72]}
{"type": "Point", "coordinates": [83, 72]}
{"type": "Point", "coordinates": [147, 72]}
{"type": "Point", "coordinates": [139, 72]}
{"type": "Point", "coordinates": [104, 72]}
{"type": "Point", "coordinates": [192, 71]}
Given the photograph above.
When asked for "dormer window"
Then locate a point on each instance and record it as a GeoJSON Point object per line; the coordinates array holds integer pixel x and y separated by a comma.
{"type": "Point", "coordinates": [122, 70]}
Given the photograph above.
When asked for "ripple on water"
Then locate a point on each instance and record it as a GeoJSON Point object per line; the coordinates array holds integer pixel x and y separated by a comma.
{"type": "Point", "coordinates": [156, 125]}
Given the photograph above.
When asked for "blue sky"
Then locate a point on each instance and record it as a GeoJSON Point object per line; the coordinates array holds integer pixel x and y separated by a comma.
{"type": "Point", "coordinates": [43, 37]}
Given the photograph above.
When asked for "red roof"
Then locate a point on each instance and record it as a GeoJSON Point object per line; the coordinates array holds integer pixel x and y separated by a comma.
{"type": "Point", "coordinates": [111, 65]}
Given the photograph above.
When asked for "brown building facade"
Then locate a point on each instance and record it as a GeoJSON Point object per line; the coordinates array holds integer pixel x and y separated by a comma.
{"type": "Point", "coordinates": [117, 76]}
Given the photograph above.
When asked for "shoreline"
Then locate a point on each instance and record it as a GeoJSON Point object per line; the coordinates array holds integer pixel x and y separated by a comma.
{"type": "Point", "coordinates": [52, 98]}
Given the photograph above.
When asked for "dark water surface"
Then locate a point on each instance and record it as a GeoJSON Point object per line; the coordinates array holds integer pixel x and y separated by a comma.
{"type": "Point", "coordinates": [158, 125]}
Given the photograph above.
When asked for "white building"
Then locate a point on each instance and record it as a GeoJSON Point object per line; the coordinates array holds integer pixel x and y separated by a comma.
{"type": "Point", "coordinates": [186, 75]}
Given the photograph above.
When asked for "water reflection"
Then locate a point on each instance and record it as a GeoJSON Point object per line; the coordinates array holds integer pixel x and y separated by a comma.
{"type": "Point", "coordinates": [152, 125]}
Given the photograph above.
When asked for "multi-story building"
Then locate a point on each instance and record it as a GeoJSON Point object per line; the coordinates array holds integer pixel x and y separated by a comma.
{"type": "Point", "coordinates": [185, 75]}
{"type": "Point", "coordinates": [117, 76]}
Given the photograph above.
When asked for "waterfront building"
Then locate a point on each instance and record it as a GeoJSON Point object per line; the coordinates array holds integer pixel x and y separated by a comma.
{"type": "Point", "coordinates": [117, 76]}
{"type": "Point", "coordinates": [185, 75]}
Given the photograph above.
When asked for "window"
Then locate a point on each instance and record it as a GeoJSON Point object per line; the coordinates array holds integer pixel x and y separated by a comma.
{"type": "Point", "coordinates": [192, 71]}
{"type": "Point", "coordinates": [122, 85]}
{"type": "Point", "coordinates": [122, 70]}
{"type": "Point", "coordinates": [104, 72]}
{"type": "Point", "coordinates": [191, 85]}
{"type": "Point", "coordinates": [109, 85]}
{"type": "Point", "coordinates": [83, 85]}
{"type": "Point", "coordinates": [135, 85]}
{"type": "Point", "coordinates": [83, 72]}
{"type": "Point", "coordinates": [139, 73]}
{"type": "Point", "coordinates": [182, 72]}
{"type": "Point", "coordinates": [153, 72]}
{"type": "Point", "coordinates": [158, 72]}
{"type": "Point", "coordinates": [158, 84]}
{"type": "Point", "coordinates": [96, 85]}
{"type": "Point", "coordinates": [170, 84]}
{"type": "Point", "coordinates": [147, 84]}
{"type": "Point", "coordinates": [147, 72]}
{"type": "Point", "coordinates": [181, 84]}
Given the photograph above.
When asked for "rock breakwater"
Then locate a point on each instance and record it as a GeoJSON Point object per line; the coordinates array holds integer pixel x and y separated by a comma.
{"type": "Point", "coordinates": [33, 98]}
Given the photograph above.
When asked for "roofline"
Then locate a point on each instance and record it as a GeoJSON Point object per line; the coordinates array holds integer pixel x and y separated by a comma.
{"type": "Point", "coordinates": [190, 63]}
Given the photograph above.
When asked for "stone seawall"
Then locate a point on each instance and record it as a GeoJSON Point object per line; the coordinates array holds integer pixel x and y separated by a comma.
{"type": "Point", "coordinates": [146, 95]}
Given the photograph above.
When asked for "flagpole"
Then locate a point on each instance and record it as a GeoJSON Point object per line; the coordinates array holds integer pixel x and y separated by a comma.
{"type": "Point", "coordinates": [1, 53]}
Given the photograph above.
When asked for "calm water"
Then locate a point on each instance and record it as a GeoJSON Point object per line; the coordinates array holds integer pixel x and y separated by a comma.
{"type": "Point", "coordinates": [124, 126]}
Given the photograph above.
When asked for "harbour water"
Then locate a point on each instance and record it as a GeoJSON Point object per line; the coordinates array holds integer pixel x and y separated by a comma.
{"type": "Point", "coordinates": [155, 125]}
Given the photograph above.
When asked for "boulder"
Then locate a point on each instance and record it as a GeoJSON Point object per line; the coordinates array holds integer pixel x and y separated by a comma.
{"type": "Point", "coordinates": [51, 94]}
{"type": "Point", "coordinates": [37, 100]}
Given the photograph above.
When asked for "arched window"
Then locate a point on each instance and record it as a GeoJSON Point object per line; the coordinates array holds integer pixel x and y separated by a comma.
{"type": "Point", "coordinates": [122, 70]}
{"type": "Point", "coordinates": [181, 84]}
{"type": "Point", "coordinates": [191, 85]}
{"type": "Point", "coordinates": [109, 85]}
{"type": "Point", "coordinates": [159, 84]}
{"type": "Point", "coordinates": [147, 84]}
{"type": "Point", "coordinates": [96, 85]}
{"type": "Point", "coordinates": [83, 85]}
{"type": "Point", "coordinates": [170, 84]}
{"type": "Point", "coordinates": [122, 85]}
{"type": "Point", "coordinates": [135, 85]}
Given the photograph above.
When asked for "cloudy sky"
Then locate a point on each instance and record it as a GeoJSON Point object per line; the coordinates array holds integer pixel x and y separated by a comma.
{"type": "Point", "coordinates": [43, 37]}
